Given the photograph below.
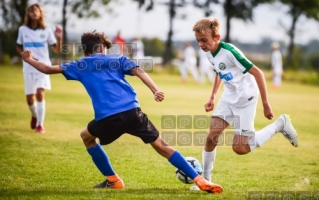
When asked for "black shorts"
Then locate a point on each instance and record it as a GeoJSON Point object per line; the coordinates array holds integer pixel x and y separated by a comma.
{"type": "Point", "coordinates": [133, 122]}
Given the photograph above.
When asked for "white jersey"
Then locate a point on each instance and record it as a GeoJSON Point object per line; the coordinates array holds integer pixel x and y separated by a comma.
{"type": "Point", "coordinates": [138, 49]}
{"type": "Point", "coordinates": [276, 62]}
{"type": "Point", "coordinates": [203, 61]}
{"type": "Point", "coordinates": [240, 87]}
{"type": "Point", "coordinates": [189, 55]}
{"type": "Point", "coordinates": [37, 42]}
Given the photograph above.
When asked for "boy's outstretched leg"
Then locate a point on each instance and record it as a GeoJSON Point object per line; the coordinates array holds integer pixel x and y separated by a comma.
{"type": "Point", "coordinates": [176, 159]}
{"type": "Point", "coordinates": [102, 162]}
{"type": "Point", "coordinates": [257, 139]}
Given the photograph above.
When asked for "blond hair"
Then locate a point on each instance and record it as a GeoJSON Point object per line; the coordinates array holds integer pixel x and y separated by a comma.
{"type": "Point", "coordinates": [27, 20]}
{"type": "Point", "coordinates": [207, 24]}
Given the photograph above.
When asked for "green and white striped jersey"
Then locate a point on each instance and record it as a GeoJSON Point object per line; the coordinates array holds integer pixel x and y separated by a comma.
{"type": "Point", "coordinates": [240, 87]}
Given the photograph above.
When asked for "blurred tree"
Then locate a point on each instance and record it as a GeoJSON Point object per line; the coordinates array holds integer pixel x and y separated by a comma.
{"type": "Point", "coordinates": [12, 14]}
{"type": "Point", "coordinates": [172, 6]}
{"type": "Point", "coordinates": [153, 46]}
{"type": "Point", "coordinates": [241, 9]}
{"type": "Point", "coordinates": [82, 9]}
{"type": "Point", "coordinates": [205, 6]}
{"type": "Point", "coordinates": [308, 8]}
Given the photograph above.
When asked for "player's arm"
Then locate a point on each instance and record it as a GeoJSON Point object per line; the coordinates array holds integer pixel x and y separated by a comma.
{"type": "Point", "coordinates": [58, 34]}
{"type": "Point", "coordinates": [209, 106]}
{"type": "Point", "coordinates": [216, 87]}
{"type": "Point", "coordinates": [159, 96]}
{"type": "Point", "coordinates": [260, 79]}
{"type": "Point", "coordinates": [19, 48]}
{"type": "Point", "coordinates": [28, 57]}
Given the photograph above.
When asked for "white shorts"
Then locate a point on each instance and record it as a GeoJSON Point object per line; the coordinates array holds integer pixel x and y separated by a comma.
{"type": "Point", "coordinates": [33, 81]}
{"type": "Point", "coordinates": [239, 118]}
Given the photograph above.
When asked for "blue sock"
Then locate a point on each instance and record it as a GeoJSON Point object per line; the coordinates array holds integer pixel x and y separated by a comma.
{"type": "Point", "coordinates": [101, 160]}
{"type": "Point", "coordinates": [179, 162]}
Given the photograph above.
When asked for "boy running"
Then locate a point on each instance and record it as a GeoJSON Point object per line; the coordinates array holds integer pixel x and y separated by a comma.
{"type": "Point", "coordinates": [116, 108]}
{"type": "Point", "coordinates": [242, 83]}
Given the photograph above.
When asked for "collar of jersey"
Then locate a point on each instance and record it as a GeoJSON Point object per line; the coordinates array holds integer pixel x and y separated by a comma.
{"type": "Point", "coordinates": [97, 54]}
{"type": "Point", "coordinates": [217, 50]}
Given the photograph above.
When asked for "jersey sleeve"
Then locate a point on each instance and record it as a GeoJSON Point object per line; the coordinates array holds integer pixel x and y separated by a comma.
{"type": "Point", "coordinates": [20, 37]}
{"type": "Point", "coordinates": [51, 38]}
{"type": "Point", "coordinates": [239, 59]}
{"type": "Point", "coordinates": [69, 70]}
{"type": "Point", "coordinates": [127, 65]}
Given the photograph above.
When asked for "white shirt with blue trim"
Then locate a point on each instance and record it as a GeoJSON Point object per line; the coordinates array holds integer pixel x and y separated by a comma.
{"type": "Point", "coordinates": [37, 42]}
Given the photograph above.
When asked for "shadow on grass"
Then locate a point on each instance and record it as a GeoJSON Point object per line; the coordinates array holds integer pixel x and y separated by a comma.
{"type": "Point", "coordinates": [62, 193]}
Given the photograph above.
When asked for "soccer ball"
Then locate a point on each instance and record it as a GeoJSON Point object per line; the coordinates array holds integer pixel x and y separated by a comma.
{"type": "Point", "coordinates": [195, 164]}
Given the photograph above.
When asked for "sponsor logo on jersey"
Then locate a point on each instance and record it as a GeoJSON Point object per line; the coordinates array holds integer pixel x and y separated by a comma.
{"type": "Point", "coordinates": [222, 66]}
{"type": "Point", "coordinates": [42, 35]}
{"type": "Point", "coordinates": [227, 76]}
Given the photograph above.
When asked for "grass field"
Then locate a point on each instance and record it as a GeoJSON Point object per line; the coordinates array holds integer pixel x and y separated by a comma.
{"type": "Point", "coordinates": [55, 165]}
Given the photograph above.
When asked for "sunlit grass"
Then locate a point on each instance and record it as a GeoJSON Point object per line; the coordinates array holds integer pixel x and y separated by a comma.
{"type": "Point", "coordinates": [56, 165]}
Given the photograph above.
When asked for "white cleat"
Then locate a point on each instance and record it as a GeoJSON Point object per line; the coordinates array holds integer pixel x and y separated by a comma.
{"type": "Point", "coordinates": [289, 131]}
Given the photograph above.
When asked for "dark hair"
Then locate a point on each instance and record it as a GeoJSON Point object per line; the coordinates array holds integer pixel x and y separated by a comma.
{"type": "Point", "coordinates": [90, 41]}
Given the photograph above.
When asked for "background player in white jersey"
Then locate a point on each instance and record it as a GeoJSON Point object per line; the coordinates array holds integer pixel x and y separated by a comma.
{"type": "Point", "coordinates": [237, 105]}
{"type": "Point", "coordinates": [189, 63]}
{"type": "Point", "coordinates": [205, 67]}
{"type": "Point", "coordinates": [138, 48]}
{"type": "Point", "coordinates": [34, 36]}
{"type": "Point", "coordinates": [276, 65]}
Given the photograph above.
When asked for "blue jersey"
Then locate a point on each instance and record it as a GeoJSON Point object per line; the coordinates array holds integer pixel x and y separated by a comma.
{"type": "Point", "coordinates": [103, 78]}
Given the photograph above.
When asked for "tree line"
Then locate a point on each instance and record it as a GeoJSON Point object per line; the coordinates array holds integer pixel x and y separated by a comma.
{"type": "Point", "coordinates": [13, 12]}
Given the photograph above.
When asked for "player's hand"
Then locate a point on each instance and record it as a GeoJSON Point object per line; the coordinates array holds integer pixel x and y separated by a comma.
{"type": "Point", "coordinates": [27, 55]}
{"type": "Point", "coordinates": [268, 112]}
{"type": "Point", "coordinates": [159, 96]}
{"type": "Point", "coordinates": [58, 32]}
{"type": "Point", "coordinates": [209, 106]}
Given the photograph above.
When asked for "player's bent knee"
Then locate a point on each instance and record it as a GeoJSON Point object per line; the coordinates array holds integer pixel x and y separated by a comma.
{"type": "Point", "coordinates": [84, 135]}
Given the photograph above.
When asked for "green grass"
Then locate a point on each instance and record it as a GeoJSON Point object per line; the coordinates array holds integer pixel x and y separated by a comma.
{"type": "Point", "coordinates": [55, 165]}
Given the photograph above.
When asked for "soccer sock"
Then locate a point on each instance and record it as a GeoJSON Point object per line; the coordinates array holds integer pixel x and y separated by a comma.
{"type": "Point", "coordinates": [262, 136]}
{"type": "Point", "coordinates": [208, 163]}
{"type": "Point", "coordinates": [40, 112]}
{"type": "Point", "coordinates": [101, 160]}
{"type": "Point", "coordinates": [179, 162]}
{"type": "Point", "coordinates": [33, 108]}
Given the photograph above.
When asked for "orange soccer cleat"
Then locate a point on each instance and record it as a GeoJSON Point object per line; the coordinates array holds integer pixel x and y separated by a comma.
{"type": "Point", "coordinates": [207, 186]}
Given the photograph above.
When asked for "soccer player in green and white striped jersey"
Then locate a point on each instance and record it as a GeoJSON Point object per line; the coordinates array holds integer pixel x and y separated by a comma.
{"type": "Point", "coordinates": [243, 82]}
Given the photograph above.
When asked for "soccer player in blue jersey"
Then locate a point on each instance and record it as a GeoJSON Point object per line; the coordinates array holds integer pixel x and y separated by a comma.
{"type": "Point", "coordinates": [35, 36]}
{"type": "Point", "coordinates": [243, 82]}
{"type": "Point", "coordinates": [116, 108]}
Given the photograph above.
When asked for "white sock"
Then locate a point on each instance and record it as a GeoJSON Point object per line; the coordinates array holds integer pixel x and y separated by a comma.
{"type": "Point", "coordinates": [40, 112]}
{"type": "Point", "coordinates": [208, 163]}
{"type": "Point", "coordinates": [33, 110]}
{"type": "Point", "coordinates": [262, 136]}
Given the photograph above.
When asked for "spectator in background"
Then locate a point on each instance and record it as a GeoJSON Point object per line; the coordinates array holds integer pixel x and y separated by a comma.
{"type": "Point", "coordinates": [205, 67]}
{"type": "Point", "coordinates": [118, 42]}
{"type": "Point", "coordinates": [276, 65]}
{"type": "Point", "coordinates": [138, 48]}
{"type": "Point", "coordinates": [189, 63]}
